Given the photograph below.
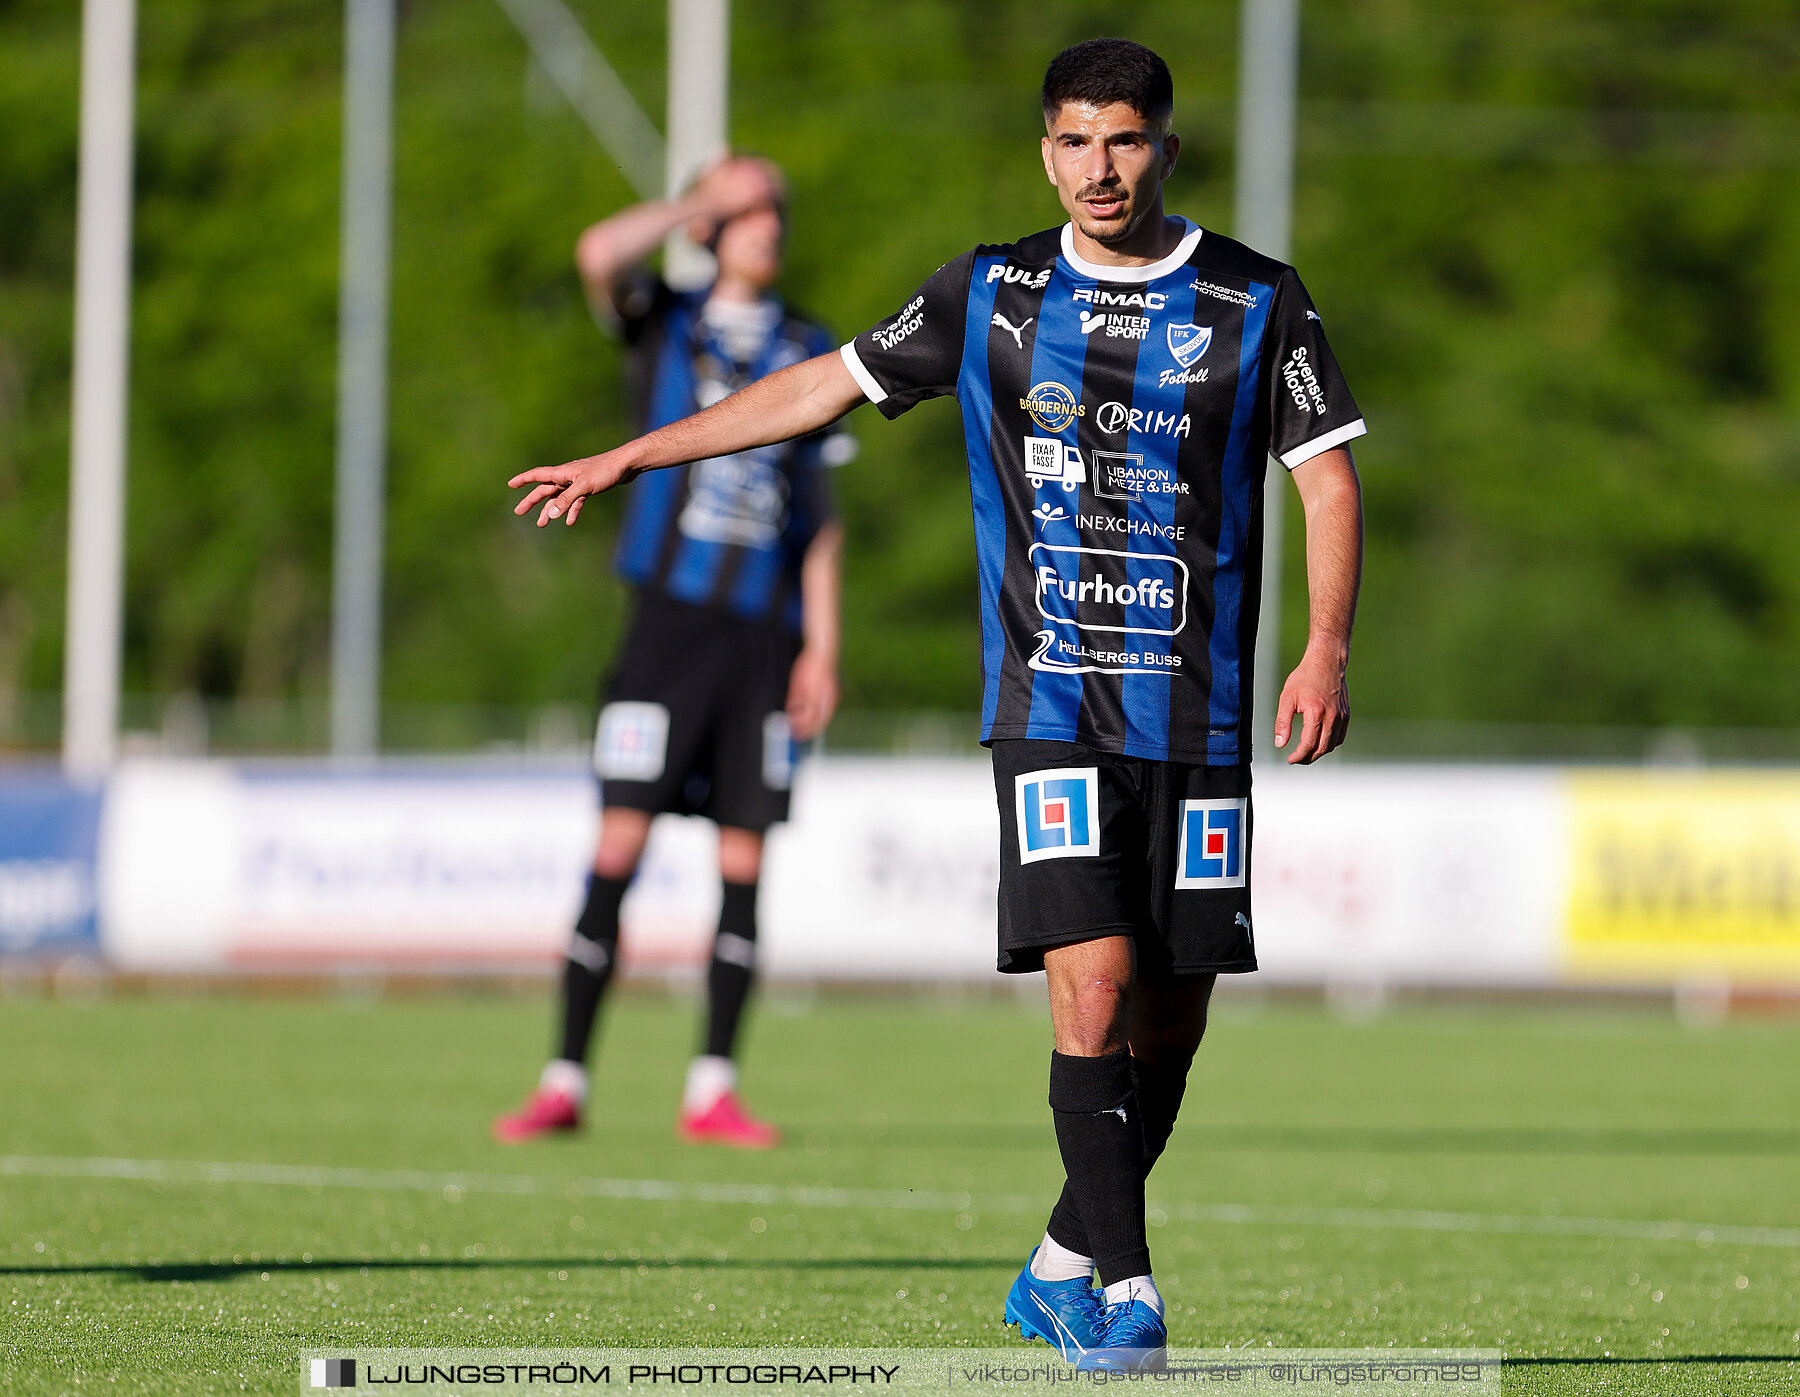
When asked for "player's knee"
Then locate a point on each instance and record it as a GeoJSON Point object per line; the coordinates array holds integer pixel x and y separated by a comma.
{"type": "Point", "coordinates": [623, 834]}
{"type": "Point", "coordinates": [740, 855]}
{"type": "Point", "coordinates": [1090, 1020]}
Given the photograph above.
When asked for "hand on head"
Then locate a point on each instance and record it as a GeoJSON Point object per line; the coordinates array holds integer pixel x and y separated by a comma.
{"type": "Point", "coordinates": [737, 184]}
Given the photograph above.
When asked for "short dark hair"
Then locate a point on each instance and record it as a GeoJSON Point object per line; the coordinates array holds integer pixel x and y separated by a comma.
{"type": "Point", "coordinates": [1102, 71]}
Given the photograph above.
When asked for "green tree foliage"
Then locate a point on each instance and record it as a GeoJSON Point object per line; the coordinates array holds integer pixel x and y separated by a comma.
{"type": "Point", "coordinates": [1557, 245]}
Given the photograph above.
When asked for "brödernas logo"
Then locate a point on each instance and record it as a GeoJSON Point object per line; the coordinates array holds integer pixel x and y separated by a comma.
{"type": "Point", "coordinates": [1052, 405]}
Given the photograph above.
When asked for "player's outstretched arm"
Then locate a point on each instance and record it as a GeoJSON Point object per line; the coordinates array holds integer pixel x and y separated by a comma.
{"type": "Point", "coordinates": [1317, 689]}
{"type": "Point", "coordinates": [788, 404]}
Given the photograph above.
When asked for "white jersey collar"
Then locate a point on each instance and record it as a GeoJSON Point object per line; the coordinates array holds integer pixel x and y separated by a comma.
{"type": "Point", "coordinates": [1100, 272]}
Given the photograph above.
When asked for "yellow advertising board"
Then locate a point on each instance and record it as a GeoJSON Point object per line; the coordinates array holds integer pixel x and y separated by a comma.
{"type": "Point", "coordinates": [1684, 874]}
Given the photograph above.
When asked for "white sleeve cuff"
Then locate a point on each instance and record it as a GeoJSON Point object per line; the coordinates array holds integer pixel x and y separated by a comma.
{"type": "Point", "coordinates": [1300, 455]}
{"type": "Point", "coordinates": [872, 390]}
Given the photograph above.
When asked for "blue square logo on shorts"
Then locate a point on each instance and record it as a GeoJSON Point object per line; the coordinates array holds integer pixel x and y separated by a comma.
{"type": "Point", "coordinates": [632, 741]}
{"type": "Point", "coordinates": [1059, 813]}
{"type": "Point", "coordinates": [1212, 844]}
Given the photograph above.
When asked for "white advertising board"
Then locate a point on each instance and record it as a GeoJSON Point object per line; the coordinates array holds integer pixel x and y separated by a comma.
{"type": "Point", "coordinates": [1447, 875]}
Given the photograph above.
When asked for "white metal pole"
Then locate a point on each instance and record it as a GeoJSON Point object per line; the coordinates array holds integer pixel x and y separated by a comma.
{"type": "Point", "coordinates": [362, 377]}
{"type": "Point", "coordinates": [1268, 81]}
{"type": "Point", "coordinates": [102, 342]}
{"type": "Point", "coordinates": [699, 96]}
{"type": "Point", "coordinates": [563, 50]}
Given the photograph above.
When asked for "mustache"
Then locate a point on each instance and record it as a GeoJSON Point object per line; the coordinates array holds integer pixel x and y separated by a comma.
{"type": "Point", "coordinates": [1097, 191]}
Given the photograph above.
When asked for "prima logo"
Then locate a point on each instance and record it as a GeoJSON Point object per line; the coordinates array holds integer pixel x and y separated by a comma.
{"type": "Point", "coordinates": [1115, 417]}
{"type": "Point", "coordinates": [1008, 274]}
{"type": "Point", "coordinates": [1052, 406]}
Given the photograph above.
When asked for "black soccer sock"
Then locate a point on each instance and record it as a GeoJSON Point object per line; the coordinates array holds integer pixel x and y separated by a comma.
{"type": "Point", "coordinates": [1100, 1132]}
{"type": "Point", "coordinates": [592, 951]}
{"type": "Point", "coordinates": [1160, 1087]}
{"type": "Point", "coordinates": [733, 967]}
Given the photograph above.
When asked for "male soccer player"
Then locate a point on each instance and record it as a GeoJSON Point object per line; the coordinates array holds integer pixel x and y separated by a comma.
{"type": "Point", "coordinates": [1121, 381]}
{"type": "Point", "coordinates": [731, 654]}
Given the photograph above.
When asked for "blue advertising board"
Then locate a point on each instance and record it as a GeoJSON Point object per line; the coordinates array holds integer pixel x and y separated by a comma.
{"type": "Point", "coordinates": [48, 833]}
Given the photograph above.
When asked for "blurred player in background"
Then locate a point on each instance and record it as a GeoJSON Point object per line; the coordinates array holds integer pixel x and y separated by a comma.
{"type": "Point", "coordinates": [731, 654]}
{"type": "Point", "coordinates": [1122, 380]}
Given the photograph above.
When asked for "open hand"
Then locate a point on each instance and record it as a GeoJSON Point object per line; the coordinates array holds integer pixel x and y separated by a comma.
{"type": "Point", "coordinates": [1317, 691]}
{"type": "Point", "coordinates": [563, 489]}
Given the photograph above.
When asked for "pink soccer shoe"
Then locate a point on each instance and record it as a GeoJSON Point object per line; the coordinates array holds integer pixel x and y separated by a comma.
{"type": "Point", "coordinates": [546, 1111]}
{"type": "Point", "coordinates": [726, 1122]}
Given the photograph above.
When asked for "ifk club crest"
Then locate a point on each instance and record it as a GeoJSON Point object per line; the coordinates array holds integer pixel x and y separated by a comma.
{"type": "Point", "coordinates": [1188, 342]}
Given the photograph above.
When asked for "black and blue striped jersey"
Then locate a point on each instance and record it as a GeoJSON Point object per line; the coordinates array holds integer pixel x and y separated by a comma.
{"type": "Point", "coordinates": [730, 532]}
{"type": "Point", "coordinates": [1117, 420]}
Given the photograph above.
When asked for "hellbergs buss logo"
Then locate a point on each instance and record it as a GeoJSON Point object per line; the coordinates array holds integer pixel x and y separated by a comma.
{"type": "Point", "coordinates": [1052, 406]}
{"type": "Point", "coordinates": [1188, 342]}
{"type": "Point", "coordinates": [1058, 812]}
{"type": "Point", "coordinates": [1212, 844]}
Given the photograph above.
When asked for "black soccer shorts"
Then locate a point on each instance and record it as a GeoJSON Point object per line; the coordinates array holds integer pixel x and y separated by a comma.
{"type": "Point", "coordinates": [693, 716]}
{"type": "Point", "coordinates": [1096, 844]}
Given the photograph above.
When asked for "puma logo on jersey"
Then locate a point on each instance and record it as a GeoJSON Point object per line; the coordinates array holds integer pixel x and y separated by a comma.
{"type": "Point", "coordinates": [1016, 331]}
{"type": "Point", "coordinates": [1243, 921]}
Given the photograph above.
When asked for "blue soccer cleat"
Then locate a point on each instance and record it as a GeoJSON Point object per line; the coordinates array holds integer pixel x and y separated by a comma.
{"type": "Point", "coordinates": [1064, 1314]}
{"type": "Point", "coordinates": [1131, 1338]}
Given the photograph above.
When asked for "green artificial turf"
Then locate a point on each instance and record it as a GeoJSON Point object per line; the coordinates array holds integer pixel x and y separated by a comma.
{"type": "Point", "coordinates": [140, 1285]}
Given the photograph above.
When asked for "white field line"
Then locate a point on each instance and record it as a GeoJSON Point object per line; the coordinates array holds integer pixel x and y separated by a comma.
{"type": "Point", "coordinates": [453, 1186]}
